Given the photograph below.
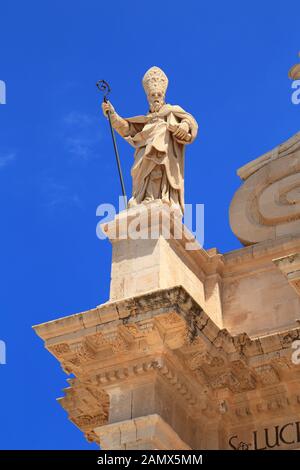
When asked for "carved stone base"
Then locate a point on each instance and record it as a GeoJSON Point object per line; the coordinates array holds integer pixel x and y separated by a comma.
{"type": "Point", "coordinates": [161, 354]}
{"type": "Point", "coordinates": [161, 254]}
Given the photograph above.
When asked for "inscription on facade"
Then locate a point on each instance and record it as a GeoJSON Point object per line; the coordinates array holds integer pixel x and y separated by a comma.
{"type": "Point", "coordinates": [268, 438]}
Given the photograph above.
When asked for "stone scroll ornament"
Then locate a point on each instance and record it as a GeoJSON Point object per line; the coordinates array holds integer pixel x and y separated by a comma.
{"type": "Point", "coordinates": [159, 139]}
{"type": "Point", "coordinates": [267, 205]}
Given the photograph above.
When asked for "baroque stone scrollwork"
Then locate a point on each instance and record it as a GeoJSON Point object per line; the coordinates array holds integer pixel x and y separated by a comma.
{"type": "Point", "coordinates": [267, 205]}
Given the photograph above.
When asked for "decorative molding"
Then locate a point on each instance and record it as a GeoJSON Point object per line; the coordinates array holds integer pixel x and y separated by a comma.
{"type": "Point", "coordinates": [290, 267]}
{"type": "Point", "coordinates": [86, 404]}
{"type": "Point", "coordinates": [267, 205]}
{"type": "Point", "coordinates": [208, 372]}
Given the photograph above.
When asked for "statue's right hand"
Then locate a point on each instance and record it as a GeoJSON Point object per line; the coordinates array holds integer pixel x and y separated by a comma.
{"type": "Point", "coordinates": [107, 106]}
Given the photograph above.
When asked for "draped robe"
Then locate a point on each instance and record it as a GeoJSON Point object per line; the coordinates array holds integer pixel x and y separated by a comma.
{"type": "Point", "coordinates": [156, 148]}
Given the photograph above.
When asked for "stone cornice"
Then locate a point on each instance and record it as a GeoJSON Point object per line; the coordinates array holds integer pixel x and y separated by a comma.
{"type": "Point", "coordinates": [282, 150]}
{"type": "Point", "coordinates": [144, 307]}
{"type": "Point", "coordinates": [165, 338]}
{"type": "Point", "coordinates": [249, 259]}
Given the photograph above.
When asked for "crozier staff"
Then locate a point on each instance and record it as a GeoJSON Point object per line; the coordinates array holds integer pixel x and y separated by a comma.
{"type": "Point", "coordinates": [102, 85]}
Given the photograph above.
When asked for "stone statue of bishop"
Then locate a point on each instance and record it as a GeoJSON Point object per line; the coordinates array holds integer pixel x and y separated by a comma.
{"type": "Point", "coordinates": [159, 139]}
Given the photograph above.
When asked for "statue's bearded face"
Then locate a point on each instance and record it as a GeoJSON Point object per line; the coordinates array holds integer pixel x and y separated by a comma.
{"type": "Point", "coordinates": [156, 100]}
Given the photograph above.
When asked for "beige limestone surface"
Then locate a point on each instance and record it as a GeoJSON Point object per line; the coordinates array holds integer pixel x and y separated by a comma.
{"type": "Point", "coordinates": [194, 349]}
{"type": "Point", "coordinates": [159, 354]}
{"type": "Point", "coordinates": [267, 205]}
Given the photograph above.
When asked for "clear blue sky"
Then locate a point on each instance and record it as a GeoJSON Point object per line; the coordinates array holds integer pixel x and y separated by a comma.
{"type": "Point", "coordinates": [227, 63]}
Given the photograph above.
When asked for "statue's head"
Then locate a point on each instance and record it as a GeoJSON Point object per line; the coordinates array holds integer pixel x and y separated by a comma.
{"type": "Point", "coordinates": [155, 83]}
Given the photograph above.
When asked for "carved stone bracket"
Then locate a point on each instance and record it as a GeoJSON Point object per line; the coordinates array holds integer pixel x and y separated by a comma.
{"type": "Point", "coordinates": [290, 268]}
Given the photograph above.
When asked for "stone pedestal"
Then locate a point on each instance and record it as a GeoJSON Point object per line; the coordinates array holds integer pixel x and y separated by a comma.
{"type": "Point", "coordinates": [153, 250]}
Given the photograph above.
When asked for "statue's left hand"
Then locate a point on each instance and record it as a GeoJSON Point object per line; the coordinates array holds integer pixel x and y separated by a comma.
{"type": "Point", "coordinates": [180, 132]}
